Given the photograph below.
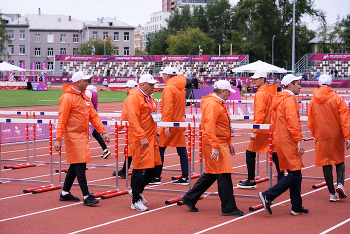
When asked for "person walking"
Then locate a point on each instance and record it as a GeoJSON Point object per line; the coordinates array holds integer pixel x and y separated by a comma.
{"type": "Point", "coordinates": [217, 148]}
{"type": "Point", "coordinates": [259, 139]}
{"type": "Point", "coordinates": [288, 141]}
{"type": "Point", "coordinates": [328, 121]}
{"type": "Point", "coordinates": [75, 113]}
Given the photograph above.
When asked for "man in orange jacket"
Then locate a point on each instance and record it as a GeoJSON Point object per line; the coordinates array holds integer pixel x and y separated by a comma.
{"type": "Point", "coordinates": [288, 142]}
{"type": "Point", "coordinates": [217, 148]}
{"type": "Point", "coordinates": [259, 139]}
{"type": "Point", "coordinates": [173, 110]}
{"type": "Point", "coordinates": [143, 137]}
{"type": "Point", "coordinates": [328, 121]}
{"type": "Point", "coordinates": [75, 113]}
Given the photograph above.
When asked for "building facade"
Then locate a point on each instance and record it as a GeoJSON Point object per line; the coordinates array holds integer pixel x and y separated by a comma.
{"type": "Point", "coordinates": [169, 5]}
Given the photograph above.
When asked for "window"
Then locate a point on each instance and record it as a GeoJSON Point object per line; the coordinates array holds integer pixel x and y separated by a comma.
{"type": "Point", "coordinates": [94, 34]}
{"type": "Point", "coordinates": [75, 50]}
{"type": "Point", "coordinates": [105, 35]}
{"type": "Point", "coordinates": [49, 65]}
{"type": "Point", "coordinates": [11, 49]}
{"type": "Point", "coordinates": [22, 35]}
{"type": "Point", "coordinates": [116, 36]}
{"type": "Point", "coordinates": [37, 52]}
{"type": "Point", "coordinates": [61, 66]}
{"type": "Point", "coordinates": [126, 36]}
{"type": "Point", "coordinates": [117, 51]}
{"type": "Point", "coordinates": [22, 50]}
{"type": "Point", "coordinates": [38, 65]}
{"type": "Point", "coordinates": [75, 38]}
{"type": "Point", "coordinates": [50, 38]}
{"type": "Point", "coordinates": [126, 50]}
{"type": "Point", "coordinates": [49, 52]}
{"type": "Point", "coordinates": [37, 38]}
{"type": "Point", "coordinates": [11, 34]}
{"type": "Point", "coordinates": [63, 38]}
{"type": "Point", "coordinates": [63, 51]}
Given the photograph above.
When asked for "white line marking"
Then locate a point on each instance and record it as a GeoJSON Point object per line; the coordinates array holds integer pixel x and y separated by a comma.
{"type": "Point", "coordinates": [336, 226]}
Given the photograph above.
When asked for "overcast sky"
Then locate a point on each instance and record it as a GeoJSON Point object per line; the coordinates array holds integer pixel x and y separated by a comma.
{"type": "Point", "coordinates": [135, 12]}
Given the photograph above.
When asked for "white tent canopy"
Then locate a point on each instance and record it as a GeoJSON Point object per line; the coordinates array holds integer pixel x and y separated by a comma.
{"type": "Point", "coordinates": [4, 66]}
{"type": "Point", "coordinates": [259, 66]}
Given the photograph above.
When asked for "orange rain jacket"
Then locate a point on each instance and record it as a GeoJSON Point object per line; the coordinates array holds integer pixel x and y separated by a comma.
{"type": "Point", "coordinates": [329, 123]}
{"type": "Point", "coordinates": [216, 135]}
{"type": "Point", "coordinates": [124, 117]}
{"type": "Point", "coordinates": [141, 125]}
{"type": "Point", "coordinates": [173, 110]}
{"type": "Point", "coordinates": [286, 130]}
{"type": "Point", "coordinates": [75, 113]}
{"type": "Point", "coordinates": [262, 115]}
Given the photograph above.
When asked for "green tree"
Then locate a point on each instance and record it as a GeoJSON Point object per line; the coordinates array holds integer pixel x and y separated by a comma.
{"type": "Point", "coordinates": [140, 52]}
{"type": "Point", "coordinates": [331, 40]}
{"type": "Point", "coordinates": [188, 42]}
{"type": "Point", "coordinates": [86, 48]}
{"type": "Point", "coordinates": [174, 21]}
{"type": "Point", "coordinates": [199, 19]}
{"type": "Point", "coordinates": [156, 42]}
{"type": "Point", "coordinates": [346, 32]}
{"type": "Point", "coordinates": [5, 40]}
{"type": "Point", "coordinates": [238, 43]}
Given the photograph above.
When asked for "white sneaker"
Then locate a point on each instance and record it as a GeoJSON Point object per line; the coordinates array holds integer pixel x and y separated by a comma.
{"type": "Point", "coordinates": [142, 197]}
{"type": "Point", "coordinates": [138, 206]}
{"type": "Point", "coordinates": [334, 197]}
{"type": "Point", "coordinates": [341, 191]}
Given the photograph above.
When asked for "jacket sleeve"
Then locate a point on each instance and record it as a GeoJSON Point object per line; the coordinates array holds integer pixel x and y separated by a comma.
{"type": "Point", "coordinates": [344, 117]}
{"type": "Point", "coordinates": [168, 104]}
{"type": "Point", "coordinates": [211, 115]}
{"type": "Point", "coordinates": [65, 106]}
{"type": "Point", "coordinates": [95, 120]}
{"type": "Point", "coordinates": [260, 105]}
{"type": "Point", "coordinates": [293, 119]}
{"type": "Point", "coordinates": [124, 117]}
{"type": "Point", "coordinates": [134, 115]}
{"type": "Point", "coordinates": [310, 119]}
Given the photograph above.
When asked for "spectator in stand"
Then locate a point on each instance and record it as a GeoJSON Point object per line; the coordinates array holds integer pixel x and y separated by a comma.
{"type": "Point", "coordinates": [328, 121]}
{"type": "Point", "coordinates": [239, 84]}
{"type": "Point", "coordinates": [105, 83]}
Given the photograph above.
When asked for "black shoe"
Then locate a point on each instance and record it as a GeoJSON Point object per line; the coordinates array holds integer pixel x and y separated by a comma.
{"type": "Point", "coordinates": [68, 197]}
{"type": "Point", "coordinates": [105, 154]}
{"type": "Point", "coordinates": [121, 175]}
{"type": "Point", "coordinates": [265, 202]}
{"type": "Point", "coordinates": [301, 211]}
{"type": "Point", "coordinates": [156, 181]}
{"type": "Point", "coordinates": [90, 200]}
{"type": "Point", "coordinates": [233, 213]}
{"type": "Point", "coordinates": [181, 181]}
{"type": "Point", "coordinates": [247, 184]}
{"type": "Point", "coordinates": [114, 173]}
{"type": "Point", "coordinates": [190, 206]}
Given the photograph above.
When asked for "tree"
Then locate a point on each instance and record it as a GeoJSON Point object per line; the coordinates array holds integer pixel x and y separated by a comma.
{"type": "Point", "coordinates": [174, 21]}
{"type": "Point", "coordinates": [86, 48]}
{"type": "Point", "coordinates": [238, 43]}
{"type": "Point", "coordinates": [156, 42]}
{"type": "Point", "coordinates": [199, 19]}
{"type": "Point", "coordinates": [5, 39]}
{"type": "Point", "coordinates": [140, 52]}
{"type": "Point", "coordinates": [188, 42]}
{"type": "Point", "coordinates": [345, 35]}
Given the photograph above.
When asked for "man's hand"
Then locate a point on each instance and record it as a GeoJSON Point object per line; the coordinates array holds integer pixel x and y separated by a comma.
{"type": "Point", "coordinates": [214, 154]}
{"type": "Point", "coordinates": [301, 148]}
{"type": "Point", "coordinates": [58, 145]}
{"type": "Point", "coordinates": [167, 131]}
{"type": "Point", "coordinates": [252, 136]}
{"type": "Point", "coordinates": [144, 142]}
{"type": "Point", "coordinates": [105, 137]}
{"type": "Point", "coordinates": [347, 143]}
{"type": "Point", "coordinates": [231, 148]}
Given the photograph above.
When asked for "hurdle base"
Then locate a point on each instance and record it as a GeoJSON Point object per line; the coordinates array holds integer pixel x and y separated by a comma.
{"type": "Point", "coordinates": [31, 189]}
{"type": "Point", "coordinates": [95, 195]}
{"type": "Point", "coordinates": [114, 194]}
{"type": "Point", "coordinates": [46, 189]}
{"type": "Point", "coordinates": [193, 176]}
{"type": "Point", "coordinates": [23, 166]}
{"type": "Point", "coordinates": [10, 166]}
{"type": "Point", "coordinates": [315, 186]}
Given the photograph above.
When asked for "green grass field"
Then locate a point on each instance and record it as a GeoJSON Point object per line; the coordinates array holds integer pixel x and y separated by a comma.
{"type": "Point", "coordinates": [19, 98]}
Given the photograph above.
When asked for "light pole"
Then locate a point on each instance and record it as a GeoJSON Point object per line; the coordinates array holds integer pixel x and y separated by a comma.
{"type": "Point", "coordinates": [293, 42]}
{"type": "Point", "coordinates": [219, 49]}
{"type": "Point", "coordinates": [104, 46]}
{"type": "Point", "coordinates": [273, 40]}
{"type": "Point", "coordinates": [200, 53]}
{"type": "Point", "coordinates": [286, 64]}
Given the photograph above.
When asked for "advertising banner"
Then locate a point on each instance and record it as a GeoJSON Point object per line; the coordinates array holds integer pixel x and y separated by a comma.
{"type": "Point", "coordinates": [326, 57]}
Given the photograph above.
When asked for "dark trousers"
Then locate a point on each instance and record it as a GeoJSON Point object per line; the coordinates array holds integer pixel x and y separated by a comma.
{"type": "Point", "coordinates": [139, 180]}
{"type": "Point", "coordinates": [182, 152]}
{"type": "Point", "coordinates": [250, 160]}
{"type": "Point", "coordinates": [99, 139]}
{"type": "Point", "coordinates": [225, 190]}
{"type": "Point", "coordinates": [328, 175]}
{"type": "Point", "coordinates": [292, 182]}
{"type": "Point", "coordinates": [124, 170]}
{"type": "Point", "coordinates": [76, 170]}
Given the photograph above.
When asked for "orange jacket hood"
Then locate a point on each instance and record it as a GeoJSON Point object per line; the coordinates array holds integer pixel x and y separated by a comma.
{"type": "Point", "coordinates": [208, 98]}
{"type": "Point", "coordinates": [322, 94]}
{"type": "Point", "coordinates": [269, 89]}
{"type": "Point", "coordinates": [278, 98]}
{"type": "Point", "coordinates": [178, 81]}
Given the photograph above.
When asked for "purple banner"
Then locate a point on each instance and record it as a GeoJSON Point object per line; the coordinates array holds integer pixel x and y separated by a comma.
{"type": "Point", "coordinates": [325, 57]}
{"type": "Point", "coordinates": [39, 86]}
{"type": "Point", "coordinates": [33, 67]}
{"type": "Point", "coordinates": [44, 74]}
{"type": "Point", "coordinates": [335, 83]}
{"type": "Point", "coordinates": [23, 65]}
{"type": "Point", "coordinates": [154, 58]}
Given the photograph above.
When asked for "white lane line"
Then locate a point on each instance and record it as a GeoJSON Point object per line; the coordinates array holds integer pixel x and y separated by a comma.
{"type": "Point", "coordinates": [336, 226]}
{"type": "Point", "coordinates": [15, 196]}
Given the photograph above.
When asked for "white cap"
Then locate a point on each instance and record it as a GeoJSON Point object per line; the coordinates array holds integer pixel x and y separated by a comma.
{"type": "Point", "coordinates": [147, 78]}
{"type": "Point", "coordinates": [168, 70]}
{"type": "Point", "coordinates": [131, 84]}
{"type": "Point", "coordinates": [259, 74]}
{"type": "Point", "coordinates": [324, 80]}
{"type": "Point", "coordinates": [79, 76]}
{"type": "Point", "coordinates": [223, 84]}
{"type": "Point", "coordinates": [287, 79]}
